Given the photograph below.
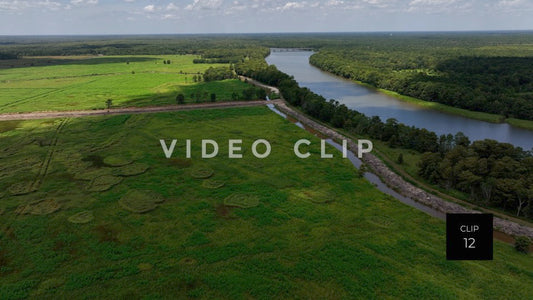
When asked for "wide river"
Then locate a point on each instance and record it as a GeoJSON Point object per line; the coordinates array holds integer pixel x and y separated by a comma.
{"type": "Point", "coordinates": [373, 103]}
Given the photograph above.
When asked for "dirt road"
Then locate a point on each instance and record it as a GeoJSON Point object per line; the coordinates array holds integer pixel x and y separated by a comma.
{"type": "Point", "coordinates": [129, 110]}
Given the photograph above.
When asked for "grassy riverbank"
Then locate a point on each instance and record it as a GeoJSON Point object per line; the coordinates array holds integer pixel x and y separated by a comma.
{"type": "Point", "coordinates": [306, 228]}
{"type": "Point", "coordinates": [481, 116]}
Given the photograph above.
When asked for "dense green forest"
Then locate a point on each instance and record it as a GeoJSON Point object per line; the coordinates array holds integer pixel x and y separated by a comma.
{"type": "Point", "coordinates": [493, 79]}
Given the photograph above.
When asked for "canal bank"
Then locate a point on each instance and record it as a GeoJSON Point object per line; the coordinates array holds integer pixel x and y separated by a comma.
{"type": "Point", "coordinates": [398, 184]}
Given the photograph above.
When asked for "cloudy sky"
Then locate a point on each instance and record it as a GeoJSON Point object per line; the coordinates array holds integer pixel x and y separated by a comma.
{"type": "Point", "coordinates": [229, 16]}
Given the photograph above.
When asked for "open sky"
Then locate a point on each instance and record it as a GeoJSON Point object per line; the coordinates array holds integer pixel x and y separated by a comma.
{"type": "Point", "coordinates": [36, 17]}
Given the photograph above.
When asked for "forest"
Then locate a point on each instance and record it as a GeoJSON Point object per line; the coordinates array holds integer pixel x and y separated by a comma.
{"type": "Point", "coordinates": [492, 79]}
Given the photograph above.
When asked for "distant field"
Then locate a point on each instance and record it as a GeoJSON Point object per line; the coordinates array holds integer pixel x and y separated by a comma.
{"type": "Point", "coordinates": [74, 83]}
{"type": "Point", "coordinates": [274, 228]}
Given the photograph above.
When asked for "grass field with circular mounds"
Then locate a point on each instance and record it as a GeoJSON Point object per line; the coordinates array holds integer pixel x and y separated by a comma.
{"type": "Point", "coordinates": [212, 184]}
{"type": "Point", "coordinates": [180, 162]}
{"type": "Point", "coordinates": [242, 200]}
{"type": "Point", "coordinates": [380, 221]}
{"type": "Point", "coordinates": [130, 170]}
{"type": "Point", "coordinates": [20, 188]}
{"type": "Point", "coordinates": [77, 166]}
{"type": "Point", "coordinates": [82, 217]}
{"type": "Point", "coordinates": [117, 161]}
{"type": "Point", "coordinates": [90, 174]}
{"type": "Point", "coordinates": [145, 267]}
{"type": "Point", "coordinates": [103, 183]}
{"type": "Point", "coordinates": [44, 207]}
{"type": "Point", "coordinates": [188, 261]}
{"type": "Point", "coordinates": [22, 209]}
{"type": "Point", "coordinates": [30, 160]}
{"type": "Point", "coordinates": [40, 208]}
{"type": "Point", "coordinates": [140, 201]}
{"type": "Point", "coordinates": [202, 172]}
{"type": "Point", "coordinates": [314, 196]}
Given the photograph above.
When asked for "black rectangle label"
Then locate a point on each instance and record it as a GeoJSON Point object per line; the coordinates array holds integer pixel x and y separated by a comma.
{"type": "Point", "coordinates": [469, 236]}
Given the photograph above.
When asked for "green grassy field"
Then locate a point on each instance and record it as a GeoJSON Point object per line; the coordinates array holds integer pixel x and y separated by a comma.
{"type": "Point", "coordinates": [86, 83]}
{"type": "Point", "coordinates": [280, 227]}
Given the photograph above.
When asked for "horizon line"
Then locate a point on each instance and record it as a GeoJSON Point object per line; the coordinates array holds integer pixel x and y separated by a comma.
{"type": "Point", "coordinates": [263, 33]}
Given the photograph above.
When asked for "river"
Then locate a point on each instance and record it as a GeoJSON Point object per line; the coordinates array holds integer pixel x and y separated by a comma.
{"type": "Point", "coordinates": [373, 103]}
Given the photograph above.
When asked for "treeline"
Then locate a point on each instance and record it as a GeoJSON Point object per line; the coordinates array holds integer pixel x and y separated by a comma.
{"type": "Point", "coordinates": [463, 78]}
{"type": "Point", "coordinates": [495, 174]}
{"type": "Point", "coordinates": [220, 73]}
{"type": "Point", "coordinates": [231, 56]}
{"type": "Point", "coordinates": [229, 48]}
{"type": "Point", "coordinates": [8, 56]}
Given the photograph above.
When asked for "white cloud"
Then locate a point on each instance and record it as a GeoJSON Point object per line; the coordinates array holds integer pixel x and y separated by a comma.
{"type": "Point", "coordinates": [334, 3]}
{"type": "Point", "coordinates": [172, 7]}
{"type": "Point", "coordinates": [431, 2]}
{"type": "Point", "coordinates": [149, 8]}
{"type": "Point", "coordinates": [204, 4]}
{"type": "Point", "coordinates": [292, 5]}
{"type": "Point", "coordinates": [82, 2]}
{"type": "Point", "coordinates": [17, 5]}
{"type": "Point", "coordinates": [440, 6]}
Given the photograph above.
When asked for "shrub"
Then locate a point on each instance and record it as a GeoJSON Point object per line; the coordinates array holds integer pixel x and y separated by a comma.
{"type": "Point", "coordinates": [522, 243]}
{"type": "Point", "coordinates": [400, 159]}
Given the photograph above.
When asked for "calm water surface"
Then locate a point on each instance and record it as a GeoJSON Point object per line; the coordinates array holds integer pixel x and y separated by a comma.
{"type": "Point", "coordinates": [373, 103]}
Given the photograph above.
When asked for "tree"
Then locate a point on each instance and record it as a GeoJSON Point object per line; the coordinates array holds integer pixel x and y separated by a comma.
{"type": "Point", "coordinates": [521, 244]}
{"type": "Point", "coordinates": [213, 97]}
{"type": "Point", "coordinates": [249, 93]}
{"type": "Point", "coordinates": [261, 94]}
{"type": "Point", "coordinates": [109, 103]}
{"type": "Point", "coordinates": [219, 73]}
{"type": "Point", "coordinates": [180, 99]}
{"type": "Point", "coordinates": [400, 159]}
{"type": "Point", "coordinates": [198, 96]}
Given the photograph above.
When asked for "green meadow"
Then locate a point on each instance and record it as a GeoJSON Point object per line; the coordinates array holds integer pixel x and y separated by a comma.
{"type": "Point", "coordinates": [91, 208]}
{"type": "Point", "coordinates": [75, 83]}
